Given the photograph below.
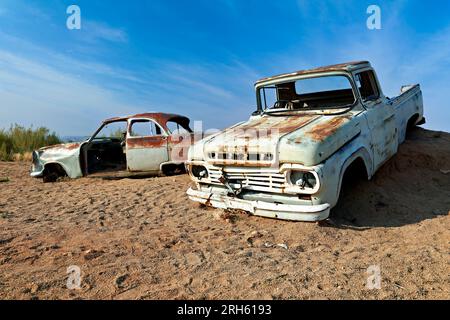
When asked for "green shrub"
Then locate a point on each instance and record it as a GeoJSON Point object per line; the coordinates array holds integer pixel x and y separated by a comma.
{"type": "Point", "coordinates": [21, 140]}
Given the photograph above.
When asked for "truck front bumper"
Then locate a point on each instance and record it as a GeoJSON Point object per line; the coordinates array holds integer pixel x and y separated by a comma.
{"type": "Point", "coordinates": [262, 208]}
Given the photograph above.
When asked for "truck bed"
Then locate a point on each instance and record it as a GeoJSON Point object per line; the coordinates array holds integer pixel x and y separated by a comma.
{"type": "Point", "coordinates": [408, 105]}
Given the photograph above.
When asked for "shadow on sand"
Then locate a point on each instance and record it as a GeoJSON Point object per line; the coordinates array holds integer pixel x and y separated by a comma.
{"type": "Point", "coordinates": [411, 187]}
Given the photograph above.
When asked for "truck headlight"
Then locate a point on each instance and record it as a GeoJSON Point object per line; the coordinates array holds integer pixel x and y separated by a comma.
{"type": "Point", "coordinates": [199, 172]}
{"type": "Point", "coordinates": [303, 179]}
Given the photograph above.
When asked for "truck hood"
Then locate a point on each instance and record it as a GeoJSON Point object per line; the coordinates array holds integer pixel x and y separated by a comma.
{"type": "Point", "coordinates": [307, 139]}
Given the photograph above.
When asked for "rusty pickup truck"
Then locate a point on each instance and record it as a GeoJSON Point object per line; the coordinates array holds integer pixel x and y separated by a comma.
{"type": "Point", "coordinates": [142, 144]}
{"type": "Point", "coordinates": [310, 129]}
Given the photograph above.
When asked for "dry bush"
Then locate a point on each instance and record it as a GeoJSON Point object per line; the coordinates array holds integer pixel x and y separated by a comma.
{"type": "Point", "coordinates": [17, 143]}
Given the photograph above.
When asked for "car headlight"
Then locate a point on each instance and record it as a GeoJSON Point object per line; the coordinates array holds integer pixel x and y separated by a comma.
{"type": "Point", "coordinates": [199, 172]}
{"type": "Point", "coordinates": [303, 179]}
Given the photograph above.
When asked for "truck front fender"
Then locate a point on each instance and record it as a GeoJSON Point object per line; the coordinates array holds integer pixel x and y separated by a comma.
{"type": "Point", "coordinates": [334, 168]}
{"type": "Point", "coordinates": [362, 154]}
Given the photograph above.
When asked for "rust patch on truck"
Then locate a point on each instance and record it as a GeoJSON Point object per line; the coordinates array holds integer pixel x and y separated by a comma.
{"type": "Point", "coordinates": [297, 140]}
{"type": "Point", "coordinates": [328, 128]}
{"type": "Point", "coordinates": [272, 124]}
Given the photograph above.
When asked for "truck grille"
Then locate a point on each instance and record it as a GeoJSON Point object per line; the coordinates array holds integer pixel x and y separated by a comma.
{"type": "Point", "coordinates": [241, 156]}
{"type": "Point", "coordinates": [258, 179]}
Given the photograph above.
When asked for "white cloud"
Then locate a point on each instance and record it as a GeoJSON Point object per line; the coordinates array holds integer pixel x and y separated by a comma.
{"type": "Point", "coordinates": [34, 93]}
{"type": "Point", "coordinates": [101, 31]}
{"type": "Point", "coordinates": [65, 62]}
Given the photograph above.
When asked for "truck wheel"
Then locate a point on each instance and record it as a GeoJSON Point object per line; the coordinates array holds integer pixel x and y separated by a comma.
{"type": "Point", "coordinates": [353, 177]}
{"type": "Point", "coordinates": [412, 123]}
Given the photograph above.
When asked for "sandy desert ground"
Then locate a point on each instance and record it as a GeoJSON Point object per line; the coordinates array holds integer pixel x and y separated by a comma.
{"type": "Point", "coordinates": [143, 239]}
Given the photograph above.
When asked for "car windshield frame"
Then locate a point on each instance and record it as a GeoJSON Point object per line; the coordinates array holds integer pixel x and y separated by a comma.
{"type": "Point", "coordinates": [104, 124]}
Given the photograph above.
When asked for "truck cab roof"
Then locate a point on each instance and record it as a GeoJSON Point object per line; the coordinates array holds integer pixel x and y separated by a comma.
{"type": "Point", "coordinates": [347, 66]}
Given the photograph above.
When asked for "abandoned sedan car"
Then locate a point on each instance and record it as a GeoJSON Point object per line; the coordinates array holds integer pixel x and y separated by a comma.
{"type": "Point", "coordinates": [148, 143]}
{"type": "Point", "coordinates": [311, 128]}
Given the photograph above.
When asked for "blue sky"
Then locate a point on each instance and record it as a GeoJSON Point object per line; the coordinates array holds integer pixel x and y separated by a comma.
{"type": "Point", "coordinates": [201, 58]}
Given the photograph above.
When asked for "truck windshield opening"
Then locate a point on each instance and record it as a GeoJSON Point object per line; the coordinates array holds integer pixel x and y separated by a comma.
{"type": "Point", "coordinates": [326, 92]}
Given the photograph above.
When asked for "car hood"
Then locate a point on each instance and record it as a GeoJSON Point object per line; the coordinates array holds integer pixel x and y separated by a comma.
{"type": "Point", "coordinates": [59, 151]}
{"type": "Point", "coordinates": [64, 146]}
{"type": "Point", "coordinates": [306, 139]}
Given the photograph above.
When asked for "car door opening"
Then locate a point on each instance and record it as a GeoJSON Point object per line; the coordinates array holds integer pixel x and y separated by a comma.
{"type": "Point", "coordinates": [106, 150]}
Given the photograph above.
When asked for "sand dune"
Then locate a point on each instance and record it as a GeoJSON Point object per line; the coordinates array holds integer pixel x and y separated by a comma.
{"type": "Point", "coordinates": [143, 239]}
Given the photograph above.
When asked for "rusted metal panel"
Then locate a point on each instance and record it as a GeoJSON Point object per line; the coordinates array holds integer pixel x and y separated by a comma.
{"type": "Point", "coordinates": [185, 139]}
{"type": "Point", "coordinates": [66, 156]}
{"type": "Point", "coordinates": [255, 142]}
{"type": "Point", "coordinates": [146, 142]}
{"type": "Point", "coordinates": [67, 146]}
{"type": "Point", "coordinates": [279, 125]}
{"type": "Point", "coordinates": [178, 145]}
{"type": "Point", "coordinates": [326, 128]}
{"type": "Point", "coordinates": [159, 117]}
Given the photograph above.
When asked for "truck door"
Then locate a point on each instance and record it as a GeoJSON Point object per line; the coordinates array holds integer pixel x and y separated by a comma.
{"type": "Point", "coordinates": [146, 145]}
{"type": "Point", "coordinates": [380, 118]}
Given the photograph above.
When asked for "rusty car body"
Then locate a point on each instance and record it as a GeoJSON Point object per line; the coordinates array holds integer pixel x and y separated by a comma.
{"type": "Point", "coordinates": [289, 159]}
{"type": "Point", "coordinates": [147, 143]}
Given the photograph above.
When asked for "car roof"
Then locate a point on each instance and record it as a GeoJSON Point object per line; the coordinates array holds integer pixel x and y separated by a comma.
{"type": "Point", "coordinates": [160, 117]}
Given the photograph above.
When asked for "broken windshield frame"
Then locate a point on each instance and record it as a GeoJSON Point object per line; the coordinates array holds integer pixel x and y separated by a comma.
{"type": "Point", "coordinates": [318, 99]}
{"type": "Point", "coordinates": [96, 136]}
